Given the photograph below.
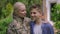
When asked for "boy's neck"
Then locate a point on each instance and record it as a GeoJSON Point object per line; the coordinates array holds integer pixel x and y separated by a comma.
{"type": "Point", "coordinates": [38, 21]}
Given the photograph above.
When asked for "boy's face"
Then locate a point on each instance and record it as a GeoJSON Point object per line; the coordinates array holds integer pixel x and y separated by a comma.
{"type": "Point", "coordinates": [35, 14]}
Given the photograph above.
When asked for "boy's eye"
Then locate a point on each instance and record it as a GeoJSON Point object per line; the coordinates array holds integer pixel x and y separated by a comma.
{"type": "Point", "coordinates": [34, 12]}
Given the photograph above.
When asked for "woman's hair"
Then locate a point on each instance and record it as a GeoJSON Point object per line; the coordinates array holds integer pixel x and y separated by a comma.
{"type": "Point", "coordinates": [36, 6]}
{"type": "Point", "coordinates": [16, 6]}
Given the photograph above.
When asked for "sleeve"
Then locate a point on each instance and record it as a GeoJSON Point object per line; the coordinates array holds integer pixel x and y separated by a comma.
{"type": "Point", "coordinates": [47, 29]}
{"type": "Point", "coordinates": [50, 28]}
{"type": "Point", "coordinates": [44, 28]}
{"type": "Point", "coordinates": [11, 29]}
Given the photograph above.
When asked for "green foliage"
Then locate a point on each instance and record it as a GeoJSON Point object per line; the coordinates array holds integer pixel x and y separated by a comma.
{"type": "Point", "coordinates": [58, 7]}
{"type": "Point", "coordinates": [57, 25]}
{"type": "Point", "coordinates": [4, 23]}
{"type": "Point", "coordinates": [6, 18]}
{"type": "Point", "coordinates": [2, 3]}
{"type": "Point", "coordinates": [55, 15]}
{"type": "Point", "coordinates": [6, 11]}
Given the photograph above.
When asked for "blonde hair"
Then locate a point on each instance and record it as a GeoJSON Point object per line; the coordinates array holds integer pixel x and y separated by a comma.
{"type": "Point", "coordinates": [16, 6]}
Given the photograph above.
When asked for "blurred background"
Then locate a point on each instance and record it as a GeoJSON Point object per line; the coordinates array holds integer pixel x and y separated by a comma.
{"type": "Point", "coordinates": [50, 9]}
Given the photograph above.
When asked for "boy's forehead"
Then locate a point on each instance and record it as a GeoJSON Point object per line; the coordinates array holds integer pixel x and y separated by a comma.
{"type": "Point", "coordinates": [34, 10]}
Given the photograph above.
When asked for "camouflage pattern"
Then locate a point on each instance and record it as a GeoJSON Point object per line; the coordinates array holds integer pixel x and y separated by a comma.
{"type": "Point", "coordinates": [18, 26]}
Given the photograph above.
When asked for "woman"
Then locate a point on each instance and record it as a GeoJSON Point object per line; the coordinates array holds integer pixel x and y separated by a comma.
{"type": "Point", "coordinates": [37, 26]}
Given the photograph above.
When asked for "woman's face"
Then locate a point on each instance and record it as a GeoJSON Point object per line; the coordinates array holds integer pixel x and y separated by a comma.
{"type": "Point", "coordinates": [35, 14]}
{"type": "Point", "coordinates": [21, 11]}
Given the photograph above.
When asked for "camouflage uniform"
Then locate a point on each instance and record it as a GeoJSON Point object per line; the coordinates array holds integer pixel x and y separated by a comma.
{"type": "Point", "coordinates": [19, 27]}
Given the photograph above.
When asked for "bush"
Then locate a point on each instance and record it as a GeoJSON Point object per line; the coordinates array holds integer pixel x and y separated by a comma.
{"type": "Point", "coordinates": [57, 17]}
{"type": "Point", "coordinates": [4, 24]}
{"type": "Point", "coordinates": [6, 18]}
{"type": "Point", "coordinates": [57, 24]}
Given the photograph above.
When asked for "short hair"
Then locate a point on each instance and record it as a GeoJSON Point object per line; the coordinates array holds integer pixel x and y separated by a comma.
{"type": "Point", "coordinates": [36, 6]}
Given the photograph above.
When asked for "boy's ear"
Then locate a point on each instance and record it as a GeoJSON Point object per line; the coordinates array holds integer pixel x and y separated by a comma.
{"type": "Point", "coordinates": [42, 17]}
{"type": "Point", "coordinates": [41, 14]}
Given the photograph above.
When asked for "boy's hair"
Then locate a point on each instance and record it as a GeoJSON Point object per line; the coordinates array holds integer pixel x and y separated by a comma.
{"type": "Point", "coordinates": [36, 6]}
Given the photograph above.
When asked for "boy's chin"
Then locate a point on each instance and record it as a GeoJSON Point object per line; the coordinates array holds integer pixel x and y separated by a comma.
{"type": "Point", "coordinates": [34, 19]}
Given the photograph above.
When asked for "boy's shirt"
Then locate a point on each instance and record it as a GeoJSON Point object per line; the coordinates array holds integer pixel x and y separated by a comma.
{"type": "Point", "coordinates": [46, 28]}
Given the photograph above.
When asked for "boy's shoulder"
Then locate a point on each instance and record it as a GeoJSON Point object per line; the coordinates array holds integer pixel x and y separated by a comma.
{"type": "Point", "coordinates": [46, 25]}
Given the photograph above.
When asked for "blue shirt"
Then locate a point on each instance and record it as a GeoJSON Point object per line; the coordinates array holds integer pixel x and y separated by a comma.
{"type": "Point", "coordinates": [46, 28]}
